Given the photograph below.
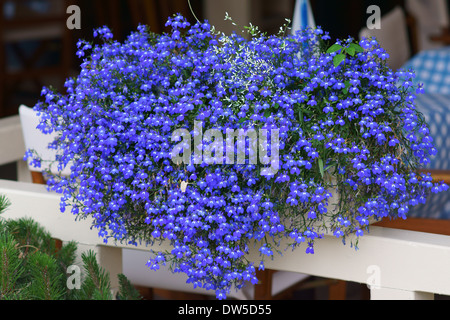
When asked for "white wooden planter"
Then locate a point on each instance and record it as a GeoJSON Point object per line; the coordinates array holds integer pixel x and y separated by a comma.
{"type": "Point", "coordinates": [396, 264]}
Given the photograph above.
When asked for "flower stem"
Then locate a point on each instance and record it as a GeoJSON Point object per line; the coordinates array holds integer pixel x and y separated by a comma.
{"type": "Point", "coordinates": [192, 11]}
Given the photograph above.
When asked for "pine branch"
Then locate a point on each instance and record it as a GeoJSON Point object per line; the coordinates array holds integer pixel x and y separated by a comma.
{"type": "Point", "coordinates": [96, 285]}
{"type": "Point", "coordinates": [29, 233]}
{"type": "Point", "coordinates": [47, 279]}
{"type": "Point", "coordinates": [66, 257]}
{"type": "Point", "coordinates": [31, 268]}
{"type": "Point", "coordinates": [10, 267]}
{"type": "Point", "coordinates": [67, 254]}
{"type": "Point", "coordinates": [4, 203]}
{"type": "Point", "coordinates": [126, 290]}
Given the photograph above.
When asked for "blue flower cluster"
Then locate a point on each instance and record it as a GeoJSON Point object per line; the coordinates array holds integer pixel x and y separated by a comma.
{"type": "Point", "coordinates": [350, 144]}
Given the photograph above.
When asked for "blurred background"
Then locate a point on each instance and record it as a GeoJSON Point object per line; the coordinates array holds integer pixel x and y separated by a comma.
{"type": "Point", "coordinates": [37, 47]}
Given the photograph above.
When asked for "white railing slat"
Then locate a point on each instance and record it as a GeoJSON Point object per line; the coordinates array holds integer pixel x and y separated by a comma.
{"type": "Point", "coordinates": [399, 263]}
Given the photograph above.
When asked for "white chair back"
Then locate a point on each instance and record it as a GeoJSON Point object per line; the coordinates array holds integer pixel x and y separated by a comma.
{"type": "Point", "coordinates": [392, 36]}
{"type": "Point", "coordinates": [35, 140]}
{"type": "Point", "coordinates": [432, 17]}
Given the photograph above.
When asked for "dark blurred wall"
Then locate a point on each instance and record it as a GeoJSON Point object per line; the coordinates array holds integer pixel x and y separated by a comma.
{"type": "Point", "coordinates": [120, 17]}
{"type": "Point", "coordinates": [343, 18]}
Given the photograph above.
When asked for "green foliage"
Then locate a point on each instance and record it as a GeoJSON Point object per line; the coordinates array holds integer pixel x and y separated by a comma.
{"type": "Point", "coordinates": [351, 50]}
{"type": "Point", "coordinates": [4, 203]}
{"type": "Point", "coordinates": [11, 269]}
{"type": "Point", "coordinates": [30, 235]}
{"type": "Point", "coordinates": [46, 277]}
{"type": "Point", "coordinates": [127, 290]}
{"type": "Point", "coordinates": [33, 268]}
{"type": "Point", "coordinates": [96, 285]}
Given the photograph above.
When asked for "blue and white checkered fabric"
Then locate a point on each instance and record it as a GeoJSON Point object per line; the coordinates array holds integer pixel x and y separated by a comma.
{"type": "Point", "coordinates": [432, 69]}
{"type": "Point", "coordinates": [436, 109]}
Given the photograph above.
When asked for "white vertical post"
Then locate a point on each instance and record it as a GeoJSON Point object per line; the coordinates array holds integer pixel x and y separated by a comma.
{"type": "Point", "coordinates": [110, 258]}
{"type": "Point", "coordinates": [23, 172]}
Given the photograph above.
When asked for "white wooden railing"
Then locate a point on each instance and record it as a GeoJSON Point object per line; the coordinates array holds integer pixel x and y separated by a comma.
{"type": "Point", "coordinates": [396, 264]}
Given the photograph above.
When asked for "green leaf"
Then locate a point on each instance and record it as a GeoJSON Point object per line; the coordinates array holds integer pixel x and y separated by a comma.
{"type": "Point", "coordinates": [357, 47]}
{"type": "Point", "coordinates": [351, 51]}
{"type": "Point", "coordinates": [267, 113]}
{"type": "Point", "coordinates": [331, 164]}
{"type": "Point", "coordinates": [300, 116]}
{"type": "Point", "coordinates": [347, 86]}
{"type": "Point", "coordinates": [321, 167]}
{"type": "Point", "coordinates": [242, 120]}
{"type": "Point", "coordinates": [335, 47]}
{"type": "Point", "coordinates": [338, 59]}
